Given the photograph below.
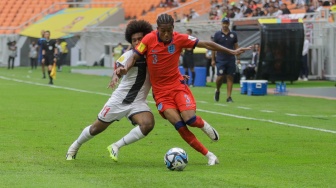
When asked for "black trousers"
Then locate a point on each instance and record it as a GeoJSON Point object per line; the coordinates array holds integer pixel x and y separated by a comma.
{"type": "Point", "coordinates": [10, 58]}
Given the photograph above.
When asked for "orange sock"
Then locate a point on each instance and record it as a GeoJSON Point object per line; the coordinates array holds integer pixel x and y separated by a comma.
{"type": "Point", "coordinates": [191, 139]}
{"type": "Point", "coordinates": [195, 121]}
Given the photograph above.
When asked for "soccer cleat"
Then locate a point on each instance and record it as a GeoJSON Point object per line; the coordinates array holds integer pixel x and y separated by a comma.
{"type": "Point", "coordinates": [210, 131]}
{"type": "Point", "coordinates": [113, 150]}
{"type": "Point", "coordinates": [212, 159]}
{"type": "Point", "coordinates": [229, 100]}
{"type": "Point", "coordinates": [70, 157]}
{"type": "Point", "coordinates": [72, 152]}
{"type": "Point", "coordinates": [217, 96]}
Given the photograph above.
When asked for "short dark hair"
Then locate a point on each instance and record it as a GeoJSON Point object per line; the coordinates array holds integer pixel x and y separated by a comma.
{"type": "Point", "coordinates": [190, 31]}
{"type": "Point", "coordinates": [137, 26]}
{"type": "Point", "coordinates": [165, 19]}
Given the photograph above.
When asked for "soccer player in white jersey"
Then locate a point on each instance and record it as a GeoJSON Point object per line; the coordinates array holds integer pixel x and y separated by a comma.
{"type": "Point", "coordinates": [128, 100]}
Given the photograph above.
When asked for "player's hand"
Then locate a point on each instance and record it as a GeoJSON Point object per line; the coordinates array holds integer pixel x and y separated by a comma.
{"type": "Point", "coordinates": [114, 82]}
{"type": "Point", "coordinates": [120, 71]}
{"type": "Point", "coordinates": [237, 51]}
{"type": "Point", "coordinates": [213, 63]}
{"type": "Point", "coordinates": [186, 77]}
{"type": "Point", "coordinates": [247, 48]}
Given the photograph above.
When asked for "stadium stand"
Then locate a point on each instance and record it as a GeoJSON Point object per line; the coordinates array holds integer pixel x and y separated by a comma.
{"type": "Point", "coordinates": [14, 13]}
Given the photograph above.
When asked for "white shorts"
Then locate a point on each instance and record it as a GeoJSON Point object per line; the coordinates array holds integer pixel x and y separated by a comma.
{"type": "Point", "coordinates": [114, 110]}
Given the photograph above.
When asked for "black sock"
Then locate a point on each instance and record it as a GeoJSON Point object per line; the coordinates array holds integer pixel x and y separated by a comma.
{"type": "Point", "coordinates": [50, 78]}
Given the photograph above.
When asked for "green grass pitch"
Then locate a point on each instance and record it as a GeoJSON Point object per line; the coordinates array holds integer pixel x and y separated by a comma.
{"type": "Point", "coordinates": [265, 141]}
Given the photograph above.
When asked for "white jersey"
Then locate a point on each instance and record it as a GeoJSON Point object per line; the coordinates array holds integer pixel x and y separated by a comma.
{"type": "Point", "coordinates": [135, 85]}
{"type": "Point", "coordinates": [130, 96]}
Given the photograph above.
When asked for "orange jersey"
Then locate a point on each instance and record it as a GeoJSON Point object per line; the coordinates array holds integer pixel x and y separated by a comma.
{"type": "Point", "coordinates": [162, 59]}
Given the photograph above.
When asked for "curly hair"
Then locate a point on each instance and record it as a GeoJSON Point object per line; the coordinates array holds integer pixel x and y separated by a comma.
{"type": "Point", "coordinates": [137, 26]}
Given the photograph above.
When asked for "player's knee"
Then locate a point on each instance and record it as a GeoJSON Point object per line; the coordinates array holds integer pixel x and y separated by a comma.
{"type": "Point", "coordinates": [179, 124]}
{"type": "Point", "coordinates": [98, 127]}
{"type": "Point", "coordinates": [146, 126]}
{"type": "Point", "coordinates": [191, 120]}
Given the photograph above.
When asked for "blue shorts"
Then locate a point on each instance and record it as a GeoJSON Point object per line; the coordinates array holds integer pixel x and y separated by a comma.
{"type": "Point", "coordinates": [226, 68]}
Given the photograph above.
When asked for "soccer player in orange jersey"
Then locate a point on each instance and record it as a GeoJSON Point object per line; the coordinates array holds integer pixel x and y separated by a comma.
{"type": "Point", "coordinates": [171, 93]}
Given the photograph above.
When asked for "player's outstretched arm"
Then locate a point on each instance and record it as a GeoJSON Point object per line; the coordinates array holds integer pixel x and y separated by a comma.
{"type": "Point", "coordinates": [114, 81]}
{"type": "Point", "coordinates": [216, 47]}
{"type": "Point", "coordinates": [128, 65]}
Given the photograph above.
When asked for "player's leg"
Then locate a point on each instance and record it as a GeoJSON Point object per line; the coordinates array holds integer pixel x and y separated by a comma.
{"type": "Point", "coordinates": [174, 118]}
{"type": "Point", "coordinates": [185, 65]}
{"type": "Point", "coordinates": [192, 120]}
{"type": "Point", "coordinates": [219, 79]}
{"type": "Point", "coordinates": [230, 72]}
{"type": "Point", "coordinates": [88, 133]}
{"type": "Point", "coordinates": [187, 106]}
{"type": "Point", "coordinates": [13, 59]}
{"type": "Point", "coordinates": [49, 66]}
{"type": "Point", "coordinates": [9, 59]}
{"type": "Point", "coordinates": [193, 74]}
{"type": "Point", "coordinates": [43, 66]}
{"type": "Point", "coordinates": [145, 124]}
{"type": "Point", "coordinates": [110, 112]}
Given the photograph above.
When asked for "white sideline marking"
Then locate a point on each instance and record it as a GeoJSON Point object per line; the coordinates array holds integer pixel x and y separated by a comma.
{"type": "Point", "coordinates": [210, 112]}
{"type": "Point", "coordinates": [245, 108]}
{"type": "Point", "coordinates": [221, 104]}
{"type": "Point", "coordinates": [267, 111]}
{"type": "Point", "coordinates": [204, 102]}
{"type": "Point", "coordinates": [268, 120]}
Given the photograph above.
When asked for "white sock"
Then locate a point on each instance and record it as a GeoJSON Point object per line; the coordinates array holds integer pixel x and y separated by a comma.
{"type": "Point", "coordinates": [209, 154]}
{"type": "Point", "coordinates": [83, 137]}
{"type": "Point", "coordinates": [134, 135]}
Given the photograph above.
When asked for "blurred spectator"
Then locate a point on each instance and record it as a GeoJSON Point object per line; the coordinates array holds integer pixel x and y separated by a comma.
{"type": "Point", "coordinates": [12, 53]}
{"type": "Point", "coordinates": [185, 18]}
{"type": "Point", "coordinates": [284, 9]}
{"type": "Point", "coordinates": [277, 11]}
{"type": "Point", "coordinates": [248, 10]}
{"type": "Point", "coordinates": [176, 17]}
{"type": "Point", "coordinates": [188, 61]}
{"type": "Point", "coordinates": [193, 14]}
{"type": "Point", "coordinates": [64, 53]}
{"type": "Point", "coordinates": [253, 5]}
{"type": "Point", "coordinates": [218, 10]}
{"type": "Point", "coordinates": [225, 11]}
{"type": "Point", "coordinates": [300, 3]}
{"type": "Point", "coordinates": [33, 54]}
{"type": "Point", "coordinates": [238, 13]}
{"type": "Point", "coordinates": [175, 3]}
{"type": "Point", "coordinates": [270, 11]}
{"type": "Point", "coordinates": [250, 71]}
{"type": "Point", "coordinates": [304, 68]}
{"type": "Point", "coordinates": [308, 10]}
{"type": "Point", "coordinates": [243, 5]}
{"type": "Point", "coordinates": [260, 12]}
{"type": "Point", "coordinates": [320, 5]}
{"type": "Point", "coordinates": [208, 56]}
{"type": "Point", "coordinates": [163, 4]}
{"type": "Point", "coordinates": [326, 3]}
{"type": "Point", "coordinates": [231, 13]}
{"type": "Point", "coordinates": [213, 15]}
{"type": "Point", "coordinates": [254, 13]}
